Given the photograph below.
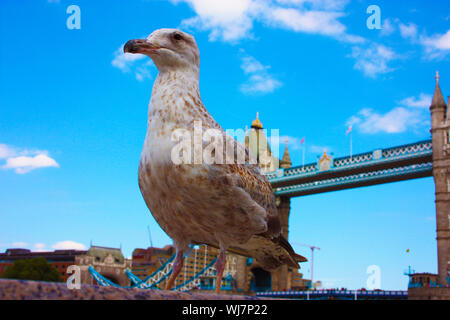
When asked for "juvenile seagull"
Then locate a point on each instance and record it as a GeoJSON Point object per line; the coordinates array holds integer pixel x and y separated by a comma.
{"type": "Point", "coordinates": [229, 206]}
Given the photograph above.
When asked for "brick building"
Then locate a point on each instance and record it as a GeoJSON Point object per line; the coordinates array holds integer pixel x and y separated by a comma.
{"type": "Point", "coordinates": [60, 259]}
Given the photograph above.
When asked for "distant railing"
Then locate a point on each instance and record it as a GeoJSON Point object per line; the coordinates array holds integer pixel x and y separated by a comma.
{"type": "Point", "coordinates": [366, 176]}
{"type": "Point", "coordinates": [414, 148]}
{"type": "Point", "coordinates": [301, 170]}
{"type": "Point", "coordinates": [342, 294]}
{"type": "Point", "coordinates": [404, 152]}
{"type": "Point", "coordinates": [352, 160]}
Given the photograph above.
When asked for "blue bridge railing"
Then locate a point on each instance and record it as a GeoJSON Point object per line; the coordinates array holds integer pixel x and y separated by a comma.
{"type": "Point", "coordinates": [337, 294]}
{"type": "Point", "coordinates": [382, 165]}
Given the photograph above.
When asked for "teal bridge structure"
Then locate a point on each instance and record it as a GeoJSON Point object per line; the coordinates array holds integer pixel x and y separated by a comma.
{"type": "Point", "coordinates": [379, 166]}
{"type": "Point", "coordinates": [157, 278]}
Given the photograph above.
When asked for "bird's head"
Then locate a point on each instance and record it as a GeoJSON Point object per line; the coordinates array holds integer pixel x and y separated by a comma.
{"type": "Point", "coordinates": [168, 48]}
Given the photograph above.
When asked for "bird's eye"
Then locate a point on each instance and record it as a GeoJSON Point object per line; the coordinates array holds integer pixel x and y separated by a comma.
{"type": "Point", "coordinates": [177, 36]}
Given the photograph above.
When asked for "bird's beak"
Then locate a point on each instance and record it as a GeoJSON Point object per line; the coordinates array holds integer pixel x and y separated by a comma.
{"type": "Point", "coordinates": [140, 46]}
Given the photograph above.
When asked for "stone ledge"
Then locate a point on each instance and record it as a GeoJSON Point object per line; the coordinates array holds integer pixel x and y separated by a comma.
{"type": "Point", "coordinates": [36, 290]}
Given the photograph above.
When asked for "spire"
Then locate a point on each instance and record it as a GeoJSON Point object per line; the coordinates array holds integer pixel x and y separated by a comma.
{"type": "Point", "coordinates": [286, 160]}
{"type": "Point", "coordinates": [438, 99]}
{"type": "Point", "coordinates": [256, 123]}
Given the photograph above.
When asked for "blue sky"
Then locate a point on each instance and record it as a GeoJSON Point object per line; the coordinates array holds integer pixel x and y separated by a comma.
{"type": "Point", "coordinates": [73, 112]}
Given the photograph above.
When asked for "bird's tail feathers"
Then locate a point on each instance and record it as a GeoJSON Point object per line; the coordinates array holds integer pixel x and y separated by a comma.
{"type": "Point", "coordinates": [269, 253]}
{"type": "Point", "coordinates": [273, 253]}
{"type": "Point", "coordinates": [287, 246]}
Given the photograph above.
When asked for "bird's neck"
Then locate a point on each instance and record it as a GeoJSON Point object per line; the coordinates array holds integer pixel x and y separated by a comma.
{"type": "Point", "coordinates": [177, 80]}
{"type": "Point", "coordinates": [176, 98]}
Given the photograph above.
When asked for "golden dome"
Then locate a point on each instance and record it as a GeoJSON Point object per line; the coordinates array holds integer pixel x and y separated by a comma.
{"type": "Point", "coordinates": [325, 155]}
{"type": "Point", "coordinates": [256, 123]}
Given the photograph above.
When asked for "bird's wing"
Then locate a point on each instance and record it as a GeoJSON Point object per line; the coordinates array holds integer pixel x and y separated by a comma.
{"type": "Point", "coordinates": [246, 177]}
{"type": "Point", "coordinates": [251, 193]}
{"type": "Point", "coordinates": [238, 171]}
{"type": "Point", "coordinates": [270, 247]}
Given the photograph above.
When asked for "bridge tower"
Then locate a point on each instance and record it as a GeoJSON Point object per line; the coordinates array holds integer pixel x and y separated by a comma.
{"type": "Point", "coordinates": [282, 278]}
{"type": "Point", "coordinates": [256, 142]}
{"type": "Point", "coordinates": [440, 132]}
{"type": "Point", "coordinates": [284, 203]}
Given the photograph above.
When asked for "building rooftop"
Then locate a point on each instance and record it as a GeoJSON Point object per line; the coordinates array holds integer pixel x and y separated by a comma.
{"type": "Point", "coordinates": [102, 252]}
{"type": "Point", "coordinates": [438, 98]}
{"type": "Point", "coordinates": [57, 255]}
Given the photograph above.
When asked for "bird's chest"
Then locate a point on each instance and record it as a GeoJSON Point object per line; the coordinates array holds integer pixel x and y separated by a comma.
{"type": "Point", "coordinates": [165, 184]}
{"type": "Point", "coordinates": [177, 198]}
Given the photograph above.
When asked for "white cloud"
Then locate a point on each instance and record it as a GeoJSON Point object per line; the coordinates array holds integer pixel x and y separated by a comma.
{"type": "Point", "coordinates": [24, 161]}
{"type": "Point", "coordinates": [227, 20]}
{"type": "Point", "coordinates": [318, 4]}
{"type": "Point", "coordinates": [251, 65]}
{"type": "Point", "coordinates": [373, 60]}
{"type": "Point", "coordinates": [332, 283]}
{"type": "Point", "coordinates": [260, 81]}
{"type": "Point", "coordinates": [436, 46]}
{"type": "Point", "coordinates": [19, 244]}
{"type": "Point", "coordinates": [408, 30]}
{"type": "Point", "coordinates": [440, 42]}
{"type": "Point", "coordinates": [124, 61]}
{"type": "Point", "coordinates": [63, 245]}
{"type": "Point", "coordinates": [128, 62]}
{"type": "Point", "coordinates": [411, 112]}
{"type": "Point", "coordinates": [396, 120]}
{"type": "Point", "coordinates": [387, 28]}
{"type": "Point", "coordinates": [321, 22]}
{"type": "Point", "coordinates": [423, 101]}
{"type": "Point", "coordinates": [233, 20]}
{"type": "Point", "coordinates": [24, 164]}
{"type": "Point", "coordinates": [6, 151]}
{"type": "Point", "coordinates": [293, 142]}
{"type": "Point", "coordinates": [39, 247]}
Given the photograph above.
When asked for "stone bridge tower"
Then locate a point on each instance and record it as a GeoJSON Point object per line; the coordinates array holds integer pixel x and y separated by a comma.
{"type": "Point", "coordinates": [282, 278]}
{"type": "Point", "coordinates": [440, 132]}
{"type": "Point", "coordinates": [256, 142]}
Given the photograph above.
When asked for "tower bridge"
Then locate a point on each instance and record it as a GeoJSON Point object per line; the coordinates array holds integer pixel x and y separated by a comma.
{"type": "Point", "coordinates": [384, 165]}
{"type": "Point", "coordinates": [412, 161]}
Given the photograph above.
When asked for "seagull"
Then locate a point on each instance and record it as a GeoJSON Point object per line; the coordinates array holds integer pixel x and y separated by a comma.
{"type": "Point", "coordinates": [230, 206]}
